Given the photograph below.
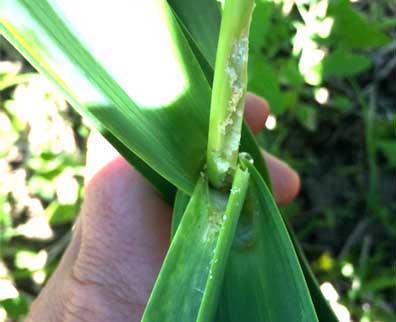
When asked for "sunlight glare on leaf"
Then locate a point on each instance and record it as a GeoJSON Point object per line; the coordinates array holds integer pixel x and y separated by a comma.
{"type": "Point", "coordinates": [65, 73]}
{"type": "Point", "coordinates": [67, 187]}
{"type": "Point", "coordinates": [324, 27]}
{"type": "Point", "coordinates": [39, 277]}
{"type": "Point", "coordinates": [332, 296]}
{"type": "Point", "coordinates": [48, 130]}
{"type": "Point", "coordinates": [322, 95]}
{"type": "Point", "coordinates": [3, 315]}
{"type": "Point", "coordinates": [149, 62]}
{"type": "Point", "coordinates": [270, 123]}
{"type": "Point", "coordinates": [31, 260]}
{"type": "Point", "coordinates": [36, 228]}
{"type": "Point", "coordinates": [316, 24]}
{"type": "Point", "coordinates": [7, 289]}
{"type": "Point", "coordinates": [329, 292]}
{"type": "Point", "coordinates": [10, 67]}
{"type": "Point", "coordinates": [310, 65]}
{"type": "Point", "coordinates": [347, 270]}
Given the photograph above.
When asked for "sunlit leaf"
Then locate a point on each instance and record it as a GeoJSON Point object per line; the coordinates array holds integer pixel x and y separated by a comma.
{"type": "Point", "coordinates": [132, 119]}
{"type": "Point", "coordinates": [202, 20]}
{"type": "Point", "coordinates": [63, 43]}
{"type": "Point", "coordinates": [200, 35]}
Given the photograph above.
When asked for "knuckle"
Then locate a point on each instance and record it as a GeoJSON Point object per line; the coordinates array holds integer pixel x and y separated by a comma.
{"type": "Point", "coordinates": [46, 308]}
{"type": "Point", "coordinates": [77, 305]}
{"type": "Point", "coordinates": [91, 300]}
{"type": "Point", "coordinates": [94, 269]}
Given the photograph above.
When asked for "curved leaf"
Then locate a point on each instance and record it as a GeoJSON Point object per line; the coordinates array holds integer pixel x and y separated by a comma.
{"type": "Point", "coordinates": [137, 90]}
{"type": "Point", "coordinates": [198, 255]}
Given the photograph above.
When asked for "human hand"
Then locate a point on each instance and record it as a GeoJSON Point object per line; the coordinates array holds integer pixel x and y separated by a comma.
{"type": "Point", "coordinates": [121, 237]}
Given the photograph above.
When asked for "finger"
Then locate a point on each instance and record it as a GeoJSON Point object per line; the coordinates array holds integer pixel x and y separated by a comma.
{"type": "Point", "coordinates": [285, 181]}
{"type": "Point", "coordinates": [125, 237]}
{"type": "Point", "coordinates": [121, 240]}
{"type": "Point", "coordinates": [256, 112]}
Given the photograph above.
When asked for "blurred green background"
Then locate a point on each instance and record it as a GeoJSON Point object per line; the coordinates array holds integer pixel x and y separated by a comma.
{"type": "Point", "coordinates": [328, 70]}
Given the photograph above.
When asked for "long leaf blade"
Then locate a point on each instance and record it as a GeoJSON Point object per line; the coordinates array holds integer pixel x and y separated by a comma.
{"type": "Point", "coordinates": [248, 144]}
{"type": "Point", "coordinates": [269, 285]}
{"type": "Point", "coordinates": [61, 46]}
{"type": "Point", "coordinates": [202, 20]}
{"type": "Point", "coordinates": [262, 259]}
{"type": "Point", "coordinates": [198, 255]}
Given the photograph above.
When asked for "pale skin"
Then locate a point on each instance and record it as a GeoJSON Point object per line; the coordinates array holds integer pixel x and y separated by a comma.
{"type": "Point", "coordinates": [121, 237]}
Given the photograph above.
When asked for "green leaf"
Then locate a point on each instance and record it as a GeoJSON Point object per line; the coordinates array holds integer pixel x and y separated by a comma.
{"type": "Point", "coordinates": [202, 20]}
{"type": "Point", "coordinates": [6, 220]}
{"type": "Point", "coordinates": [179, 207]}
{"type": "Point", "coordinates": [307, 116]}
{"type": "Point", "coordinates": [80, 75]}
{"type": "Point", "coordinates": [289, 99]}
{"type": "Point", "coordinates": [16, 307]}
{"type": "Point", "coordinates": [45, 39]}
{"type": "Point", "coordinates": [378, 284]}
{"type": "Point", "coordinates": [260, 27]}
{"type": "Point", "coordinates": [289, 73]}
{"type": "Point", "coordinates": [198, 255]}
{"type": "Point", "coordinates": [201, 30]}
{"type": "Point", "coordinates": [248, 142]}
{"type": "Point", "coordinates": [343, 63]}
{"type": "Point", "coordinates": [263, 80]}
{"type": "Point", "coordinates": [244, 289]}
{"type": "Point", "coordinates": [351, 29]}
{"type": "Point", "coordinates": [388, 148]}
{"type": "Point", "coordinates": [322, 307]}
{"type": "Point", "coordinates": [269, 262]}
{"type": "Point", "coordinates": [61, 214]}
{"type": "Point", "coordinates": [341, 102]}
{"type": "Point", "coordinates": [39, 44]}
{"type": "Point", "coordinates": [113, 88]}
{"type": "Point", "coordinates": [40, 186]}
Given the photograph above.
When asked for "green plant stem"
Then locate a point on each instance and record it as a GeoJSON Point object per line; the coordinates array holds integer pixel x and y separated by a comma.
{"type": "Point", "coordinates": [371, 148]}
{"type": "Point", "coordinates": [229, 90]}
{"type": "Point", "coordinates": [198, 254]}
{"type": "Point", "coordinates": [224, 242]}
